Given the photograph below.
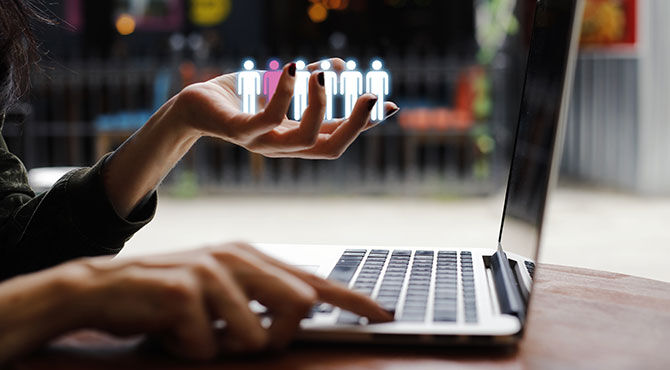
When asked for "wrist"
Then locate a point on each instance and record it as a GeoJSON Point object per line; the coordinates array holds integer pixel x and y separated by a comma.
{"type": "Point", "coordinates": [139, 165]}
{"type": "Point", "coordinates": [173, 122]}
{"type": "Point", "coordinates": [179, 113]}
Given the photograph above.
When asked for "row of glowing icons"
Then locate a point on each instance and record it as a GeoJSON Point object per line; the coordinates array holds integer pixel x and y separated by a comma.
{"type": "Point", "coordinates": [349, 84]}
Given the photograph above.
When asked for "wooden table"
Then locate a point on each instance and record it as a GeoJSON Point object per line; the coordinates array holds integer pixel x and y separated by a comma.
{"type": "Point", "coordinates": [578, 319]}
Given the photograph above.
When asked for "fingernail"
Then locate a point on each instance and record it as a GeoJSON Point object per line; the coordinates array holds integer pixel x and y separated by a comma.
{"type": "Point", "coordinates": [371, 103]}
{"type": "Point", "coordinates": [321, 79]}
{"type": "Point", "coordinates": [291, 70]}
{"type": "Point", "coordinates": [391, 113]}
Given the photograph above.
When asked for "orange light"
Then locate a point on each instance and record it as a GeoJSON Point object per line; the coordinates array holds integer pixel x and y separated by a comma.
{"type": "Point", "coordinates": [125, 24]}
{"type": "Point", "coordinates": [317, 13]}
{"type": "Point", "coordinates": [333, 4]}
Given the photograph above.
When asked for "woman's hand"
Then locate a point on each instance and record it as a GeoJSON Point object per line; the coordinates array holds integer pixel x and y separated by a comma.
{"type": "Point", "coordinates": [212, 108]}
{"type": "Point", "coordinates": [177, 298]}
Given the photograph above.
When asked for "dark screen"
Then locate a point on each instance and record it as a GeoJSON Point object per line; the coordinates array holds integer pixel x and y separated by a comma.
{"type": "Point", "coordinates": [538, 125]}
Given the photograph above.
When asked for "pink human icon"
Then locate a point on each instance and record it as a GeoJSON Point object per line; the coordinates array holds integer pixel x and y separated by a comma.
{"type": "Point", "coordinates": [271, 79]}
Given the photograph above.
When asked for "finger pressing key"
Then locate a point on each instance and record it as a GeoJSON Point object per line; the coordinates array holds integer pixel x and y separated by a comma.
{"type": "Point", "coordinates": [329, 291]}
{"type": "Point", "coordinates": [347, 299]}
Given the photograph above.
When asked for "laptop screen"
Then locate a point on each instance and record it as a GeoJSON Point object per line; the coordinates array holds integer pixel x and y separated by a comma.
{"type": "Point", "coordinates": [542, 113]}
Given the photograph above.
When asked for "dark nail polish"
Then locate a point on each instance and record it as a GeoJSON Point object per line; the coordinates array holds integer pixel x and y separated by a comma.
{"type": "Point", "coordinates": [391, 112]}
{"type": "Point", "coordinates": [320, 77]}
{"type": "Point", "coordinates": [371, 103]}
{"type": "Point", "coordinates": [291, 70]}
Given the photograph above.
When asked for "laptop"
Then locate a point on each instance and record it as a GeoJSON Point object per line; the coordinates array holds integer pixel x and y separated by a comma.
{"type": "Point", "coordinates": [450, 294]}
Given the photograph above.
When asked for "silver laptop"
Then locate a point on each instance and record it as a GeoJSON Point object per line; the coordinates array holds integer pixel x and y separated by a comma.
{"type": "Point", "coordinates": [454, 295]}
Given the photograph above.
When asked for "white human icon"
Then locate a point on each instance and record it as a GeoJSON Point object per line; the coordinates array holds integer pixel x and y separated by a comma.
{"type": "Point", "coordinates": [249, 86]}
{"type": "Point", "coordinates": [300, 90]}
{"type": "Point", "coordinates": [330, 85]}
{"type": "Point", "coordinates": [377, 83]}
{"type": "Point", "coordinates": [351, 86]}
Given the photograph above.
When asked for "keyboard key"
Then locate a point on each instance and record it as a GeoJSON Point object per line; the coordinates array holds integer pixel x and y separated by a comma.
{"type": "Point", "coordinates": [418, 287]}
{"type": "Point", "coordinates": [344, 270]}
{"type": "Point", "coordinates": [372, 267]}
{"type": "Point", "coordinates": [347, 265]}
{"type": "Point", "coordinates": [348, 318]}
{"type": "Point", "coordinates": [365, 281]}
{"type": "Point", "coordinates": [394, 277]}
{"type": "Point", "coordinates": [446, 289]}
{"type": "Point", "coordinates": [324, 308]}
{"type": "Point", "coordinates": [530, 267]}
{"type": "Point", "coordinates": [468, 285]}
{"type": "Point", "coordinates": [445, 316]}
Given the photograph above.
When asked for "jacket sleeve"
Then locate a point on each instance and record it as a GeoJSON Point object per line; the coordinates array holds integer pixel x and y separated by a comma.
{"type": "Point", "coordinates": [72, 219]}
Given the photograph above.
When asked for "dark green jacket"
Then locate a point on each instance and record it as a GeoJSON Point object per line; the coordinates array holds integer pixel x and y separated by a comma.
{"type": "Point", "coordinates": [73, 219]}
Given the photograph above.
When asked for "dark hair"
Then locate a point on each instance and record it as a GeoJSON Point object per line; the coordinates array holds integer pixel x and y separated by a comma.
{"type": "Point", "coordinates": [18, 48]}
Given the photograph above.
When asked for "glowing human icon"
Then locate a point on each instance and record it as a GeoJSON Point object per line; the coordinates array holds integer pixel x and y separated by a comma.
{"type": "Point", "coordinates": [330, 85]}
{"type": "Point", "coordinates": [377, 83]}
{"type": "Point", "coordinates": [249, 86]}
{"type": "Point", "coordinates": [300, 90]}
{"type": "Point", "coordinates": [351, 86]}
{"type": "Point", "coordinates": [271, 79]}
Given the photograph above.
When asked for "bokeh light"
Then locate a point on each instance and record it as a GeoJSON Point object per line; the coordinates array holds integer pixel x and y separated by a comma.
{"type": "Point", "coordinates": [125, 24]}
{"type": "Point", "coordinates": [317, 13]}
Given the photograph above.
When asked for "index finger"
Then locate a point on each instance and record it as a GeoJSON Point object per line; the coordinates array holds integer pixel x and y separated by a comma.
{"type": "Point", "coordinates": [341, 296]}
{"type": "Point", "coordinates": [332, 292]}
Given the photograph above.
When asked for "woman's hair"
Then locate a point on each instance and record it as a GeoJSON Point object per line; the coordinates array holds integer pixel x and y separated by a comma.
{"type": "Point", "coordinates": [18, 48]}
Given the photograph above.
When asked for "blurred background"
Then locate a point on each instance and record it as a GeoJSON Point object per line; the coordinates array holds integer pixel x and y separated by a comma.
{"type": "Point", "coordinates": [434, 174]}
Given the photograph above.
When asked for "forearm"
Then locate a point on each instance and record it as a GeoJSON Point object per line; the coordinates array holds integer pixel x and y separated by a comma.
{"type": "Point", "coordinates": [140, 164]}
{"type": "Point", "coordinates": [73, 219]}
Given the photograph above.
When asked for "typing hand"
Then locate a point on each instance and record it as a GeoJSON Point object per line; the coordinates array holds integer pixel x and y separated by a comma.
{"type": "Point", "coordinates": [177, 297]}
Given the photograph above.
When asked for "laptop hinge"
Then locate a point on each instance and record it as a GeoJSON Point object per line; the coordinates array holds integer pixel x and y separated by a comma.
{"type": "Point", "coordinates": [508, 293]}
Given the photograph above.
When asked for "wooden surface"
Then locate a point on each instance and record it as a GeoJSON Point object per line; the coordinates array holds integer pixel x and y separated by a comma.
{"type": "Point", "coordinates": [578, 319]}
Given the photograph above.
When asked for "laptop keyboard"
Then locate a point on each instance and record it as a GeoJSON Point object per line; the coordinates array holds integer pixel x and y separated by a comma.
{"type": "Point", "coordinates": [418, 292]}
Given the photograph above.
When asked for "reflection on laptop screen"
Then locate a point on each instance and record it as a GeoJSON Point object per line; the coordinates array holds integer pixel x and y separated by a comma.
{"type": "Point", "coordinates": [538, 126]}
